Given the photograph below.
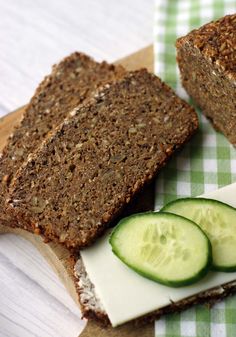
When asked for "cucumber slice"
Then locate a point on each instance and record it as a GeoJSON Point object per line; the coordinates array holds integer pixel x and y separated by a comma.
{"type": "Point", "coordinates": [163, 247]}
{"type": "Point", "coordinates": [218, 221]}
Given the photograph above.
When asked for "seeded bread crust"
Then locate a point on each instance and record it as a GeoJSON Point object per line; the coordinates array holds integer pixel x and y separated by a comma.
{"type": "Point", "coordinates": [71, 82]}
{"type": "Point", "coordinates": [92, 307]}
{"type": "Point", "coordinates": [99, 158]}
{"type": "Point", "coordinates": [207, 63]}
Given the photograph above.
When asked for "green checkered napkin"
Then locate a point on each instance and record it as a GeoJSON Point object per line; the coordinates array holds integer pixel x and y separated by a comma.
{"type": "Point", "coordinates": [205, 164]}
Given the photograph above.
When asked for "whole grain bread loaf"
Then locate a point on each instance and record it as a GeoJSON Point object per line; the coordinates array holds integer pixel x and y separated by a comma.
{"type": "Point", "coordinates": [99, 158]}
{"type": "Point", "coordinates": [207, 63]}
{"type": "Point", "coordinates": [71, 82]}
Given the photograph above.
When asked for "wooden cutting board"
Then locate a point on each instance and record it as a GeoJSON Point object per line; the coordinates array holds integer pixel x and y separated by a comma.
{"type": "Point", "coordinates": [58, 256]}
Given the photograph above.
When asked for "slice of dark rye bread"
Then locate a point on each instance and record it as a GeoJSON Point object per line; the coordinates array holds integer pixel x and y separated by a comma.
{"type": "Point", "coordinates": [92, 308]}
{"type": "Point", "coordinates": [99, 158]}
{"type": "Point", "coordinates": [71, 82]}
{"type": "Point", "coordinates": [207, 62]}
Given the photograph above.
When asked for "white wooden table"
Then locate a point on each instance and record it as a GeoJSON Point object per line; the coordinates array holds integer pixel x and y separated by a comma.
{"type": "Point", "coordinates": [34, 35]}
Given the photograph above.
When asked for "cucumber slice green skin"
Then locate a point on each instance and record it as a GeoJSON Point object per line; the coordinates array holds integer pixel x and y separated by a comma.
{"type": "Point", "coordinates": [171, 283]}
{"type": "Point", "coordinates": [187, 206]}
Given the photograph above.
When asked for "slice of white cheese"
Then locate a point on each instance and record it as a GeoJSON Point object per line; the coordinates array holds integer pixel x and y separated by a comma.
{"type": "Point", "coordinates": [126, 295]}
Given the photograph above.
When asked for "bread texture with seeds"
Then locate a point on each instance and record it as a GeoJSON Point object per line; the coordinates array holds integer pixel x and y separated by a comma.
{"type": "Point", "coordinates": [71, 82]}
{"type": "Point", "coordinates": [207, 62]}
{"type": "Point", "coordinates": [99, 158]}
